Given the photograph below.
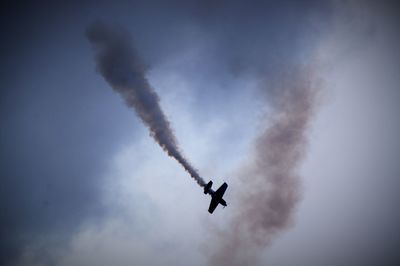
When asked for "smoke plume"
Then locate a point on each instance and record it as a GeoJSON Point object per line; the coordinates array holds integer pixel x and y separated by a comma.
{"type": "Point", "coordinates": [120, 66]}
{"type": "Point", "coordinates": [271, 182]}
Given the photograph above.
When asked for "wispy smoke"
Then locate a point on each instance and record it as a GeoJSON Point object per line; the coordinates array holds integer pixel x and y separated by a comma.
{"type": "Point", "coordinates": [271, 181]}
{"type": "Point", "coordinates": [119, 64]}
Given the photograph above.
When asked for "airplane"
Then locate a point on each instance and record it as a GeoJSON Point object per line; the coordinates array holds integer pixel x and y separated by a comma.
{"type": "Point", "coordinates": [216, 196]}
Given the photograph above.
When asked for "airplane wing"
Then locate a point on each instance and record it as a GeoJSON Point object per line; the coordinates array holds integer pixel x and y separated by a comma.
{"type": "Point", "coordinates": [213, 205]}
{"type": "Point", "coordinates": [221, 190]}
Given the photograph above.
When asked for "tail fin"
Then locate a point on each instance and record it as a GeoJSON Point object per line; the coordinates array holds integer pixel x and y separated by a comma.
{"type": "Point", "coordinates": [208, 187]}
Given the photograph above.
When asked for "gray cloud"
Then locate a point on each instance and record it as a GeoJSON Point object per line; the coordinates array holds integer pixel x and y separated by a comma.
{"type": "Point", "coordinates": [61, 125]}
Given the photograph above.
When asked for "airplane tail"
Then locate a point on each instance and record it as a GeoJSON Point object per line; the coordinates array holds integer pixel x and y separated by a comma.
{"type": "Point", "coordinates": [208, 187]}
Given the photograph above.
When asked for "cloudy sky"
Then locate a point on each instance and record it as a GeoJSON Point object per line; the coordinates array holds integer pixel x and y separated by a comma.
{"type": "Point", "coordinates": [294, 104]}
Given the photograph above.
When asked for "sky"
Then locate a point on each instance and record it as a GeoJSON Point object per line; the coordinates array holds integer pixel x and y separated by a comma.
{"type": "Point", "coordinates": [294, 104]}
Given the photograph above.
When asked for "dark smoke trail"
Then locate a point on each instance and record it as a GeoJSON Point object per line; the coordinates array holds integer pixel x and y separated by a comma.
{"type": "Point", "coordinates": [120, 66]}
{"type": "Point", "coordinates": [271, 183]}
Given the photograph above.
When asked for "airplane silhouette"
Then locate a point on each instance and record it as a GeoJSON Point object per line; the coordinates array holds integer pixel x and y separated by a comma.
{"type": "Point", "coordinates": [216, 196]}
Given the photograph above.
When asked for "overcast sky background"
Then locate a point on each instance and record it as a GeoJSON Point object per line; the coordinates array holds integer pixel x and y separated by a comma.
{"type": "Point", "coordinates": [84, 184]}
